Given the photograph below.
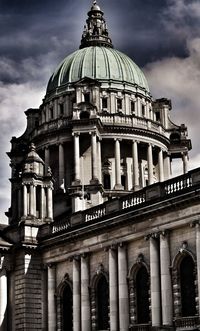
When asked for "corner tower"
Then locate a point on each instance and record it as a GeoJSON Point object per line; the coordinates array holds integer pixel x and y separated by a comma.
{"type": "Point", "coordinates": [98, 128]}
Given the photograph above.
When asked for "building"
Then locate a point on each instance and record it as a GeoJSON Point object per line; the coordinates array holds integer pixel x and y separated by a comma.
{"type": "Point", "coordinates": [100, 236]}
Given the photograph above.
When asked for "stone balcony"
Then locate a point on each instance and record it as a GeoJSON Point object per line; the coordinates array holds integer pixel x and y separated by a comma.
{"type": "Point", "coordinates": [159, 192]}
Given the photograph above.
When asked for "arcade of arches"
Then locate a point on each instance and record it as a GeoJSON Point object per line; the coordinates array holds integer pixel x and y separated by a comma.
{"type": "Point", "coordinates": [139, 286]}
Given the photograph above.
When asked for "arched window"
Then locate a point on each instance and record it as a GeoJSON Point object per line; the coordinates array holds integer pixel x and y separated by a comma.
{"type": "Point", "coordinates": [142, 294]}
{"type": "Point", "coordinates": [187, 284]}
{"type": "Point", "coordinates": [102, 304]}
{"type": "Point", "coordinates": [84, 115]}
{"type": "Point", "coordinates": [67, 308]}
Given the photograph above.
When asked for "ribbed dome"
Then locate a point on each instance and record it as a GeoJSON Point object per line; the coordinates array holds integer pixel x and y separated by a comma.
{"type": "Point", "coordinates": [101, 63]}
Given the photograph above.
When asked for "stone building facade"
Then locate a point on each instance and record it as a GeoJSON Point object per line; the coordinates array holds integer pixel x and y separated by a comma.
{"type": "Point", "coordinates": [100, 235]}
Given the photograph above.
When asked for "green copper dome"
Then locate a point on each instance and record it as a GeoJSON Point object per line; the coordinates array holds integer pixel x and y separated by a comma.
{"type": "Point", "coordinates": [100, 63]}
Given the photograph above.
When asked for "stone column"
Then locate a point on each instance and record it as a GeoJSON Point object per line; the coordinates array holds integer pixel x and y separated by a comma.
{"type": "Point", "coordinates": [3, 300]}
{"type": "Point", "coordinates": [166, 284]}
{"type": "Point", "coordinates": [47, 156]}
{"type": "Point", "coordinates": [123, 289]}
{"type": "Point", "coordinates": [76, 295]}
{"type": "Point", "coordinates": [118, 185]}
{"type": "Point", "coordinates": [25, 202]}
{"type": "Point", "coordinates": [155, 282]}
{"type": "Point", "coordinates": [94, 157]}
{"type": "Point", "coordinates": [150, 164]}
{"type": "Point", "coordinates": [142, 182]}
{"type": "Point", "coordinates": [185, 162]}
{"type": "Point", "coordinates": [161, 165]}
{"type": "Point", "coordinates": [51, 298]}
{"type": "Point", "coordinates": [167, 167]}
{"type": "Point", "coordinates": [99, 160]}
{"type": "Point", "coordinates": [76, 158]}
{"type": "Point", "coordinates": [32, 204]}
{"type": "Point", "coordinates": [42, 203]}
{"type": "Point", "coordinates": [113, 289]}
{"type": "Point", "coordinates": [49, 203]}
{"type": "Point", "coordinates": [85, 296]}
{"type": "Point", "coordinates": [198, 260]}
{"type": "Point", "coordinates": [135, 166]}
{"type": "Point", "coordinates": [61, 164]}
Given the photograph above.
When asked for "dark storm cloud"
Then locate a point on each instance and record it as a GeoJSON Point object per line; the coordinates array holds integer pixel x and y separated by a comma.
{"type": "Point", "coordinates": [43, 32]}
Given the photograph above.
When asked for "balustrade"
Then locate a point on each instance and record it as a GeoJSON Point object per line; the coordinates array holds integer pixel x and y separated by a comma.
{"type": "Point", "coordinates": [187, 322]}
{"type": "Point", "coordinates": [132, 122]}
{"type": "Point", "coordinates": [163, 190]}
{"type": "Point", "coordinates": [60, 226]}
{"type": "Point", "coordinates": [94, 213]}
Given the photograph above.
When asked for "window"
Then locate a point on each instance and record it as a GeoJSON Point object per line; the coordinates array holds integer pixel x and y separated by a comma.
{"type": "Point", "coordinates": [67, 309]}
{"type": "Point", "coordinates": [132, 107]}
{"type": "Point", "coordinates": [123, 181]}
{"type": "Point", "coordinates": [104, 103]}
{"type": "Point", "coordinates": [106, 182]}
{"type": "Point", "coordinates": [87, 97]}
{"type": "Point", "coordinates": [143, 110]}
{"type": "Point", "coordinates": [102, 304]}
{"type": "Point", "coordinates": [51, 113]}
{"type": "Point", "coordinates": [187, 283]}
{"type": "Point", "coordinates": [119, 104]}
{"type": "Point", "coordinates": [157, 116]}
{"type": "Point", "coordinates": [61, 109]}
{"type": "Point", "coordinates": [84, 115]}
{"type": "Point", "coordinates": [142, 294]}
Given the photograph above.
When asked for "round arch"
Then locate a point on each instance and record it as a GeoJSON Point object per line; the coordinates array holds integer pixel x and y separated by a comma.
{"type": "Point", "coordinates": [100, 299]}
{"type": "Point", "coordinates": [139, 285]}
{"type": "Point", "coordinates": [184, 276]}
{"type": "Point", "coordinates": [64, 295]}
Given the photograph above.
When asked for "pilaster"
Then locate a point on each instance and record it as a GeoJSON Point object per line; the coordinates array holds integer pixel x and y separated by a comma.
{"type": "Point", "coordinates": [123, 289]}
{"type": "Point", "coordinates": [76, 294]}
{"type": "Point", "coordinates": [118, 185]}
{"type": "Point", "coordinates": [51, 297]}
{"type": "Point", "coordinates": [113, 283]}
{"type": "Point", "coordinates": [166, 284]}
{"type": "Point", "coordinates": [85, 296]}
{"type": "Point", "coordinates": [155, 281]}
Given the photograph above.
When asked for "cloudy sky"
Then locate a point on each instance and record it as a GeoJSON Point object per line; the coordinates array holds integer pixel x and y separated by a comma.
{"type": "Point", "coordinates": [162, 36]}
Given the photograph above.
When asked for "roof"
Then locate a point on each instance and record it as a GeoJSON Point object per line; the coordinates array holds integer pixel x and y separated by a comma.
{"type": "Point", "coordinates": [100, 63]}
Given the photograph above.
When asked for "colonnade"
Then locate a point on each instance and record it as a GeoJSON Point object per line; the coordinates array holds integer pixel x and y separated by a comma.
{"type": "Point", "coordinates": [96, 162]}
{"type": "Point", "coordinates": [160, 286]}
{"type": "Point", "coordinates": [29, 200]}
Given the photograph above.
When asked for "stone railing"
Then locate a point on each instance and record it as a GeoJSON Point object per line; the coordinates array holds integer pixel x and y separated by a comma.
{"type": "Point", "coordinates": [156, 192]}
{"type": "Point", "coordinates": [94, 213]}
{"type": "Point", "coordinates": [132, 121]}
{"type": "Point", "coordinates": [187, 323]}
{"type": "Point", "coordinates": [51, 126]}
{"type": "Point", "coordinates": [60, 226]}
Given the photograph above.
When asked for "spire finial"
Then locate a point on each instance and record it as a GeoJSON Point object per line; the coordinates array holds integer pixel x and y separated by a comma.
{"type": "Point", "coordinates": [95, 31]}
